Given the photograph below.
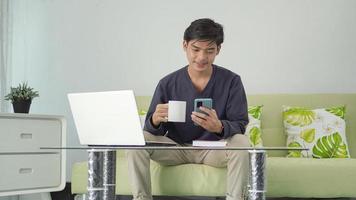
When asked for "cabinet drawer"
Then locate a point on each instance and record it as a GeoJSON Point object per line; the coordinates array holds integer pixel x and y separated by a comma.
{"type": "Point", "coordinates": [28, 135]}
{"type": "Point", "coordinates": [22, 172]}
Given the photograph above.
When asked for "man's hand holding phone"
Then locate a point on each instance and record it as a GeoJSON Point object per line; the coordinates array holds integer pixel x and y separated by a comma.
{"type": "Point", "coordinates": [160, 114]}
{"type": "Point", "coordinates": [206, 117]}
{"type": "Point", "coordinates": [209, 121]}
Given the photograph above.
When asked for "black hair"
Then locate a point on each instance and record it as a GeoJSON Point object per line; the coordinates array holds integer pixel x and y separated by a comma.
{"type": "Point", "coordinates": [205, 29]}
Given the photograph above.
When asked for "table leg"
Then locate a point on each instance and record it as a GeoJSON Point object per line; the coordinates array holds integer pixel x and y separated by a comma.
{"type": "Point", "coordinates": [109, 169]}
{"type": "Point", "coordinates": [95, 172]}
{"type": "Point", "coordinates": [257, 181]}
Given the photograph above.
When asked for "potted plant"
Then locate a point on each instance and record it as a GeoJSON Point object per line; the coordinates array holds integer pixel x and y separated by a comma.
{"type": "Point", "coordinates": [21, 97]}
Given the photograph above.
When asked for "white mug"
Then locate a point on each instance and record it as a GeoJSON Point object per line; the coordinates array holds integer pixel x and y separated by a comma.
{"type": "Point", "coordinates": [176, 111]}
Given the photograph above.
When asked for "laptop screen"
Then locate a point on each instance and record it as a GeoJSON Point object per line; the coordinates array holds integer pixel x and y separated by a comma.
{"type": "Point", "coordinates": [106, 118]}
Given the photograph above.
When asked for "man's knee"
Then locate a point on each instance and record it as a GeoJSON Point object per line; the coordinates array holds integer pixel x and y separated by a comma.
{"type": "Point", "coordinates": [134, 153]}
{"type": "Point", "coordinates": [149, 136]}
{"type": "Point", "coordinates": [238, 140]}
{"type": "Point", "coordinates": [156, 138]}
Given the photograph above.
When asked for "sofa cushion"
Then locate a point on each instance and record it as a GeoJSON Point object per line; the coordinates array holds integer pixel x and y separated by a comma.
{"type": "Point", "coordinates": [286, 177]}
{"type": "Point", "coordinates": [166, 180]}
{"type": "Point", "coordinates": [311, 178]}
{"type": "Point", "coordinates": [321, 130]}
{"type": "Point", "coordinates": [253, 129]}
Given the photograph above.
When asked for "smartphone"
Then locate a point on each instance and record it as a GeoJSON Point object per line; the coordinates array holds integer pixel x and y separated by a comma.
{"type": "Point", "coordinates": [205, 102]}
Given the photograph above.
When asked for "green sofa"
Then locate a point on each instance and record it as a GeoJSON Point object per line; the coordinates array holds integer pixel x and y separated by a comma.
{"type": "Point", "coordinates": [286, 177]}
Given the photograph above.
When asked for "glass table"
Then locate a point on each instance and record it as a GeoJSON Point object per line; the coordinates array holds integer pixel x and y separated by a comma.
{"type": "Point", "coordinates": [102, 165]}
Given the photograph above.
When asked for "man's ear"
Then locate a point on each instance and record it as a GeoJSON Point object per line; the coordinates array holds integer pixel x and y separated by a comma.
{"type": "Point", "coordinates": [218, 50]}
{"type": "Point", "coordinates": [185, 45]}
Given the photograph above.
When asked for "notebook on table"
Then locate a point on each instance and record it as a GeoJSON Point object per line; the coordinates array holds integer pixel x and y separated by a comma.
{"type": "Point", "coordinates": [205, 143]}
{"type": "Point", "coordinates": [108, 118]}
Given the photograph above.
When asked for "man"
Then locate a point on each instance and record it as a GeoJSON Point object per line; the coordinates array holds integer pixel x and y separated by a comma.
{"type": "Point", "coordinates": [226, 121]}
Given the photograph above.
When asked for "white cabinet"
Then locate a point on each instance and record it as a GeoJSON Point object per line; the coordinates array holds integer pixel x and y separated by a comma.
{"type": "Point", "coordinates": [25, 167]}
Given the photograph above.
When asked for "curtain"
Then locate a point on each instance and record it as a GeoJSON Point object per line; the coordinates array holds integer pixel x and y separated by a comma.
{"type": "Point", "coordinates": [5, 52]}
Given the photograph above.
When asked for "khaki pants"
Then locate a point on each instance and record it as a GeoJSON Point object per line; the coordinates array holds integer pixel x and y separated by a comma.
{"type": "Point", "coordinates": [236, 161]}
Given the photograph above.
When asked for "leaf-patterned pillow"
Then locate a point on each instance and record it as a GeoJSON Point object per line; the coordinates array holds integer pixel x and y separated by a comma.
{"type": "Point", "coordinates": [253, 129]}
{"type": "Point", "coordinates": [321, 130]}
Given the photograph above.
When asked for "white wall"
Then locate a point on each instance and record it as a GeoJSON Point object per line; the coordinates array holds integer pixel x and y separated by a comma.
{"type": "Point", "coordinates": [277, 46]}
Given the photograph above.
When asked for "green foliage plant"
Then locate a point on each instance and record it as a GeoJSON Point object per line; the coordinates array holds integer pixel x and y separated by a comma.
{"type": "Point", "coordinates": [22, 92]}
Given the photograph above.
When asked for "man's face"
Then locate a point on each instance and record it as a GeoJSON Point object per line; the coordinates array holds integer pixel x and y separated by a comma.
{"type": "Point", "coordinates": [200, 54]}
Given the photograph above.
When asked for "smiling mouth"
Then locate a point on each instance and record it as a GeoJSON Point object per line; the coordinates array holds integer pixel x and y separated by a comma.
{"type": "Point", "coordinates": [201, 64]}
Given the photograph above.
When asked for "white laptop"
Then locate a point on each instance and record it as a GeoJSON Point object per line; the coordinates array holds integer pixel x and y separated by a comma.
{"type": "Point", "coordinates": [107, 118]}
